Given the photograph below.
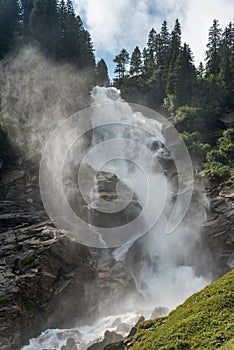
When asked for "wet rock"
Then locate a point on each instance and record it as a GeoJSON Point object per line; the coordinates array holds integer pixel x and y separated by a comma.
{"type": "Point", "coordinates": [141, 319]}
{"type": "Point", "coordinates": [116, 346]}
{"type": "Point", "coordinates": [120, 345]}
{"type": "Point", "coordinates": [70, 344]}
{"type": "Point", "coordinates": [45, 274]}
{"type": "Point", "coordinates": [114, 280]}
{"type": "Point", "coordinates": [135, 328]}
{"type": "Point", "coordinates": [218, 230]}
{"type": "Point", "coordinates": [109, 337]}
{"type": "Point", "coordinates": [132, 332]}
{"type": "Point", "coordinates": [42, 271]}
{"type": "Point", "coordinates": [11, 176]}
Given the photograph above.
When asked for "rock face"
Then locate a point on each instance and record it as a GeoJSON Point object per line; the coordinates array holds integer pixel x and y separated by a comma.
{"type": "Point", "coordinates": [218, 230]}
{"type": "Point", "coordinates": [109, 337]}
{"type": "Point", "coordinates": [119, 345]}
{"type": "Point", "coordinates": [47, 280]}
{"type": "Point", "coordinates": [114, 280]}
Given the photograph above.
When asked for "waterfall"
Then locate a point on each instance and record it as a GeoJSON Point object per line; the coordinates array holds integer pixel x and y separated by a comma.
{"type": "Point", "coordinates": [166, 276]}
{"type": "Point", "coordinates": [132, 146]}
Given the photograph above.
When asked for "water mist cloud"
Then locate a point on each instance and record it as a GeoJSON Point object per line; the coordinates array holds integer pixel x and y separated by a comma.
{"type": "Point", "coordinates": [36, 95]}
{"type": "Point", "coordinates": [124, 143]}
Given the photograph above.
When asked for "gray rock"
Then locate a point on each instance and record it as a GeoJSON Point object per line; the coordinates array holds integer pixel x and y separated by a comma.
{"type": "Point", "coordinates": [132, 332]}
{"type": "Point", "coordinates": [41, 272]}
{"type": "Point", "coordinates": [71, 344]}
{"type": "Point", "coordinates": [218, 231]}
{"type": "Point", "coordinates": [109, 337]}
{"type": "Point", "coordinates": [11, 176]}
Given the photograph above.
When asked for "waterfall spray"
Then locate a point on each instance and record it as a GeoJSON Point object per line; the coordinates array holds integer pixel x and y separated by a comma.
{"type": "Point", "coordinates": [139, 147]}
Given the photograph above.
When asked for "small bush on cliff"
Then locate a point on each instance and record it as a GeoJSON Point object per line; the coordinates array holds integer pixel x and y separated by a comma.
{"type": "Point", "coordinates": [204, 321]}
{"type": "Point", "coordinates": [220, 160]}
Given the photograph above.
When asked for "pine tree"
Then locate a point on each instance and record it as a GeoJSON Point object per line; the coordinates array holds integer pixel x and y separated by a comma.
{"type": "Point", "coordinates": [102, 74]}
{"type": "Point", "coordinates": [149, 54]}
{"type": "Point", "coordinates": [9, 21]}
{"type": "Point", "coordinates": [27, 7]}
{"type": "Point", "coordinates": [62, 18]}
{"type": "Point", "coordinates": [200, 71]}
{"type": "Point", "coordinates": [175, 42]}
{"type": "Point", "coordinates": [165, 44]}
{"type": "Point", "coordinates": [121, 61]}
{"type": "Point", "coordinates": [44, 24]}
{"type": "Point", "coordinates": [86, 50]}
{"type": "Point", "coordinates": [226, 68]}
{"type": "Point", "coordinates": [174, 50]}
{"type": "Point", "coordinates": [71, 40]}
{"type": "Point", "coordinates": [212, 56]}
{"type": "Point", "coordinates": [136, 62]}
{"type": "Point", "coordinates": [184, 76]}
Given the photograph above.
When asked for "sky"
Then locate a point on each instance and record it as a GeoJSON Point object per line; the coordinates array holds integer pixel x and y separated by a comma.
{"type": "Point", "coordinates": [118, 24]}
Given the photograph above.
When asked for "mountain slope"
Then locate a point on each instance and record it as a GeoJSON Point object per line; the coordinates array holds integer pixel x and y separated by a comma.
{"type": "Point", "coordinates": [204, 321]}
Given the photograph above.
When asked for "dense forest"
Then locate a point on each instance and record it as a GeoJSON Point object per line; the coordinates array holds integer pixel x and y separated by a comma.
{"type": "Point", "coordinates": [195, 98]}
{"type": "Point", "coordinates": [162, 76]}
{"type": "Point", "coordinates": [53, 27]}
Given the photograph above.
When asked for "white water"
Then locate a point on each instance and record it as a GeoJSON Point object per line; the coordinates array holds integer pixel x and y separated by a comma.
{"type": "Point", "coordinates": [56, 338]}
{"type": "Point", "coordinates": [166, 276]}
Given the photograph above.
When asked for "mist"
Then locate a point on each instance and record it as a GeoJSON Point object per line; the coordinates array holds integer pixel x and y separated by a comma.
{"type": "Point", "coordinates": [45, 110]}
{"type": "Point", "coordinates": [36, 95]}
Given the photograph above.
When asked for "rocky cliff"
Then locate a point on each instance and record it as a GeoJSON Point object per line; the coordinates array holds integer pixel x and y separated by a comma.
{"type": "Point", "coordinates": [218, 230]}
{"type": "Point", "coordinates": [47, 279]}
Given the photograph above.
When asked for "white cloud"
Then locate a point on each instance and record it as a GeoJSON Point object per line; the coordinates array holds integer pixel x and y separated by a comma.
{"type": "Point", "coordinates": [126, 23]}
{"type": "Point", "coordinates": [198, 19]}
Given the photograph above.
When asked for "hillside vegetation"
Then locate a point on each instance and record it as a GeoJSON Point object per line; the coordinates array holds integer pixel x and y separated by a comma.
{"type": "Point", "coordinates": [204, 321]}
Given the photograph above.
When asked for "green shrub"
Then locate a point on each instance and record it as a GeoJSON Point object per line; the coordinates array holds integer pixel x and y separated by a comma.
{"type": "Point", "coordinates": [194, 143]}
{"type": "Point", "coordinates": [219, 163]}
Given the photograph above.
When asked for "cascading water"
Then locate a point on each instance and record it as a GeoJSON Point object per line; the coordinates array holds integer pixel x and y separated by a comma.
{"type": "Point", "coordinates": [165, 278]}
{"type": "Point", "coordinates": [165, 275]}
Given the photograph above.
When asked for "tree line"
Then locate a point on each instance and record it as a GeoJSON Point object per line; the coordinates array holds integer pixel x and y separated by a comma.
{"type": "Point", "coordinates": [167, 66]}
{"type": "Point", "coordinates": [54, 27]}
{"type": "Point", "coordinates": [194, 97]}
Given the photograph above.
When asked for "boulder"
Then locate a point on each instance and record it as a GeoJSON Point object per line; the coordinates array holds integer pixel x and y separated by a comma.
{"type": "Point", "coordinates": [109, 337]}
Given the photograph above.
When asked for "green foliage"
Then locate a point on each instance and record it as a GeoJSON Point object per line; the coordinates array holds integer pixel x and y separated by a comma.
{"type": "Point", "coordinates": [194, 145]}
{"type": "Point", "coordinates": [204, 321]}
{"type": "Point", "coordinates": [102, 74]}
{"type": "Point", "coordinates": [51, 25]}
{"type": "Point", "coordinates": [44, 19]}
{"type": "Point", "coordinates": [169, 103]}
{"type": "Point", "coordinates": [194, 118]}
{"type": "Point", "coordinates": [220, 160]}
{"type": "Point", "coordinates": [9, 21]}
{"type": "Point", "coordinates": [212, 53]}
{"type": "Point", "coordinates": [136, 62]}
{"type": "Point", "coordinates": [197, 121]}
{"type": "Point", "coordinates": [121, 61]}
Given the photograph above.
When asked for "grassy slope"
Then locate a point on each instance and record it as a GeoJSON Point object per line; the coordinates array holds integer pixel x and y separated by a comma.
{"type": "Point", "coordinates": [204, 321]}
